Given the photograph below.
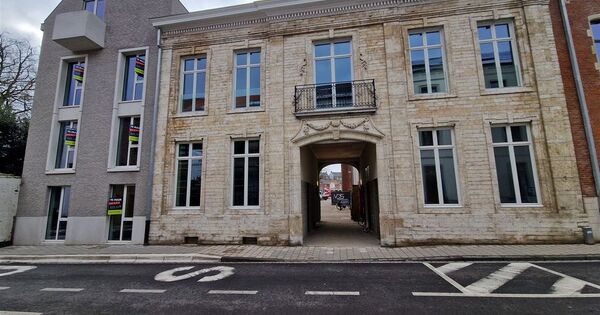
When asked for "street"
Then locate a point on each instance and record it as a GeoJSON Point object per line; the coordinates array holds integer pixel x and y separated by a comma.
{"type": "Point", "coordinates": [276, 288]}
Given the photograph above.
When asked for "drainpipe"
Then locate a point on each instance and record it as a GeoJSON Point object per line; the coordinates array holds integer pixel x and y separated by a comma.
{"type": "Point", "coordinates": [582, 101]}
{"type": "Point", "coordinates": [153, 143]}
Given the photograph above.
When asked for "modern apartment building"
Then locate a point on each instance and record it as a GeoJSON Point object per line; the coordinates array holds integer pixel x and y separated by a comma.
{"type": "Point", "coordinates": [87, 173]}
{"type": "Point", "coordinates": [452, 111]}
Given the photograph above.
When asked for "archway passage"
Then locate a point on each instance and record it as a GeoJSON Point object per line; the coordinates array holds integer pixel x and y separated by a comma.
{"type": "Point", "coordinates": [340, 173]}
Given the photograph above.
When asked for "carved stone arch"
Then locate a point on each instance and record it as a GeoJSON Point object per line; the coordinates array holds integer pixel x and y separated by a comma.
{"type": "Point", "coordinates": [359, 129]}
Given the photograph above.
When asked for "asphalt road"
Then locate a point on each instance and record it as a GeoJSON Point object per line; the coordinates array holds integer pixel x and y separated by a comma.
{"type": "Point", "coordinates": [267, 288]}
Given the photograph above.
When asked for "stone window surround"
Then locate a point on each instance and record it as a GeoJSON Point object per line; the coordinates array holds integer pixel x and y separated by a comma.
{"type": "Point", "coordinates": [173, 203]}
{"type": "Point", "coordinates": [181, 82]}
{"type": "Point", "coordinates": [177, 87]}
{"type": "Point", "coordinates": [246, 210]}
{"type": "Point", "coordinates": [594, 18]}
{"type": "Point", "coordinates": [126, 109]}
{"type": "Point", "coordinates": [64, 113]}
{"type": "Point", "coordinates": [259, 45]}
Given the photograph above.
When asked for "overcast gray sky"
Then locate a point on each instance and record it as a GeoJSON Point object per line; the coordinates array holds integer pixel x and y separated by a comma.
{"type": "Point", "coordinates": [22, 18]}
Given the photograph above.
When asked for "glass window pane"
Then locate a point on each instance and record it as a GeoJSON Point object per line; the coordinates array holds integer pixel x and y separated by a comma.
{"type": "Point", "coordinates": [201, 63]}
{"type": "Point", "coordinates": [188, 88]}
{"type": "Point", "coordinates": [426, 138]}
{"type": "Point", "coordinates": [253, 181]}
{"type": "Point", "coordinates": [525, 174]}
{"type": "Point", "coordinates": [200, 90]}
{"type": "Point", "coordinates": [100, 9]}
{"type": "Point", "coordinates": [596, 30]}
{"type": "Point", "coordinates": [448, 174]}
{"type": "Point", "coordinates": [61, 148]}
{"type": "Point", "coordinates": [238, 181]}
{"type": "Point", "coordinates": [114, 230]}
{"type": "Point", "coordinates": [519, 133]}
{"type": "Point", "coordinates": [502, 31]}
{"type": "Point", "coordinates": [322, 50]}
{"type": "Point", "coordinates": [139, 91]}
{"type": "Point", "coordinates": [504, 174]}
{"type": "Point", "coordinates": [485, 32]}
{"type": "Point", "coordinates": [66, 200]}
{"type": "Point", "coordinates": [188, 65]}
{"type": "Point", "coordinates": [342, 48]}
{"type": "Point", "coordinates": [489, 66]}
{"type": "Point", "coordinates": [239, 147]}
{"type": "Point", "coordinates": [254, 87]}
{"type": "Point", "coordinates": [436, 71]}
{"type": "Point", "coordinates": [434, 38]}
{"type": "Point", "coordinates": [240, 88]}
{"type": "Point", "coordinates": [133, 156]}
{"type": "Point", "coordinates": [430, 188]}
{"type": "Point", "coordinates": [343, 70]}
{"type": "Point", "coordinates": [129, 79]}
{"type": "Point", "coordinates": [62, 230]}
{"type": "Point", "coordinates": [184, 150]}
{"type": "Point", "coordinates": [444, 137]}
{"type": "Point", "coordinates": [417, 58]}
{"type": "Point", "coordinates": [253, 146]}
{"type": "Point", "coordinates": [416, 40]}
{"type": "Point", "coordinates": [89, 5]}
{"type": "Point", "coordinates": [323, 71]}
{"type": "Point", "coordinates": [507, 64]}
{"type": "Point", "coordinates": [130, 202]}
{"type": "Point", "coordinates": [255, 58]}
{"type": "Point", "coordinates": [123, 142]}
{"type": "Point", "coordinates": [53, 212]}
{"type": "Point", "coordinates": [69, 86]}
{"type": "Point", "coordinates": [197, 149]}
{"type": "Point", "coordinates": [324, 95]}
{"type": "Point", "coordinates": [127, 230]}
{"type": "Point", "coordinates": [499, 135]}
{"type": "Point", "coordinates": [241, 59]}
{"type": "Point", "coordinates": [343, 94]}
{"type": "Point", "coordinates": [196, 181]}
{"type": "Point", "coordinates": [182, 178]}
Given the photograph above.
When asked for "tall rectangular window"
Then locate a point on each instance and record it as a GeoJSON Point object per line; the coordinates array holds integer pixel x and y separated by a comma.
{"type": "Point", "coordinates": [189, 175]}
{"type": "Point", "coordinates": [499, 55]}
{"type": "Point", "coordinates": [246, 173]}
{"type": "Point", "coordinates": [427, 60]}
{"type": "Point", "coordinates": [58, 212]}
{"type": "Point", "coordinates": [247, 79]}
{"type": "Point", "coordinates": [65, 148]}
{"type": "Point", "coordinates": [333, 74]}
{"type": "Point", "coordinates": [193, 94]}
{"type": "Point", "coordinates": [133, 79]}
{"type": "Point", "coordinates": [515, 164]}
{"type": "Point", "coordinates": [74, 84]}
{"type": "Point", "coordinates": [94, 6]}
{"type": "Point", "coordinates": [128, 142]}
{"type": "Point", "coordinates": [120, 212]}
{"type": "Point", "coordinates": [438, 167]}
{"type": "Point", "coordinates": [596, 36]}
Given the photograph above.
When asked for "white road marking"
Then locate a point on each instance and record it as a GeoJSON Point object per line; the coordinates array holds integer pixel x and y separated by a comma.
{"type": "Point", "coordinates": [4, 288]}
{"type": "Point", "coordinates": [62, 289]}
{"type": "Point", "coordinates": [337, 293]}
{"type": "Point", "coordinates": [497, 278]}
{"type": "Point", "coordinates": [232, 292]}
{"type": "Point", "coordinates": [18, 313]}
{"type": "Point", "coordinates": [507, 295]}
{"type": "Point", "coordinates": [568, 286]}
{"type": "Point", "coordinates": [142, 291]}
{"type": "Point", "coordinates": [593, 285]}
{"type": "Point", "coordinates": [169, 275]}
{"type": "Point", "coordinates": [445, 277]}
{"type": "Point", "coordinates": [451, 267]}
{"type": "Point", "coordinates": [15, 269]}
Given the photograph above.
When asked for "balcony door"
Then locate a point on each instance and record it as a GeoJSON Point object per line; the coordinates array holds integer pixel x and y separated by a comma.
{"type": "Point", "coordinates": [333, 74]}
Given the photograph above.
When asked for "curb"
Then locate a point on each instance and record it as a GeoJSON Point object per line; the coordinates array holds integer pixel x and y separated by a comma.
{"type": "Point", "coordinates": [110, 259]}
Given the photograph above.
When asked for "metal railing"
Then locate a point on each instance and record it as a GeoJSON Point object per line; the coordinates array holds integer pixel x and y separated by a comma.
{"type": "Point", "coordinates": [338, 96]}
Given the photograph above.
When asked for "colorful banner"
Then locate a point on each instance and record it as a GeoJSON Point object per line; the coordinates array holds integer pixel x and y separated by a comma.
{"type": "Point", "coordinates": [134, 134]}
{"type": "Point", "coordinates": [115, 206]}
{"type": "Point", "coordinates": [78, 72]}
{"type": "Point", "coordinates": [140, 66]}
{"type": "Point", "coordinates": [70, 136]}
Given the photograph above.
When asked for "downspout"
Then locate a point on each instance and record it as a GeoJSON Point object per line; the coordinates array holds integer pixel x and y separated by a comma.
{"type": "Point", "coordinates": [582, 101]}
{"type": "Point", "coordinates": [153, 132]}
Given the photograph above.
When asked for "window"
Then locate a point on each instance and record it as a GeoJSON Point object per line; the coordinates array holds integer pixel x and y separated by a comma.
{"type": "Point", "coordinates": [438, 167]}
{"type": "Point", "coordinates": [193, 93]}
{"type": "Point", "coordinates": [94, 6]}
{"type": "Point", "coordinates": [427, 60]}
{"type": "Point", "coordinates": [189, 175]}
{"type": "Point", "coordinates": [333, 74]}
{"type": "Point", "coordinates": [498, 55]}
{"type": "Point", "coordinates": [65, 148]}
{"type": "Point", "coordinates": [120, 212]}
{"type": "Point", "coordinates": [247, 79]}
{"type": "Point", "coordinates": [515, 164]}
{"type": "Point", "coordinates": [128, 141]}
{"type": "Point", "coordinates": [246, 173]}
{"type": "Point", "coordinates": [58, 211]}
{"type": "Point", "coordinates": [74, 84]}
{"type": "Point", "coordinates": [133, 81]}
{"type": "Point", "coordinates": [596, 36]}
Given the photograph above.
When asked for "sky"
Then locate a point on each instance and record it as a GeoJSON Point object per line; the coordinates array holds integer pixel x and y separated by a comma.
{"type": "Point", "coordinates": [22, 18]}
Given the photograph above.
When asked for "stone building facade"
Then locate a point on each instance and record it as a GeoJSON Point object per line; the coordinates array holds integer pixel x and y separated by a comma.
{"type": "Point", "coordinates": [451, 111]}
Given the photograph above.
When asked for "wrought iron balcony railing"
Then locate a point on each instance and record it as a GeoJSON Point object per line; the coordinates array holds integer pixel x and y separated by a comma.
{"type": "Point", "coordinates": [354, 96]}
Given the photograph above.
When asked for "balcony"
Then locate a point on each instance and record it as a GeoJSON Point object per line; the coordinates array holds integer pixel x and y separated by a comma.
{"type": "Point", "coordinates": [79, 31]}
{"type": "Point", "coordinates": [338, 97]}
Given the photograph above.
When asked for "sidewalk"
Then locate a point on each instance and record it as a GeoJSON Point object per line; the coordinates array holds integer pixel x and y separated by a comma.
{"type": "Point", "coordinates": [231, 253]}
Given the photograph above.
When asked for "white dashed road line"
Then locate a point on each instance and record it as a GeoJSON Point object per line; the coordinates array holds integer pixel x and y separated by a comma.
{"type": "Point", "coordinates": [238, 292]}
{"type": "Point", "coordinates": [62, 289]}
{"type": "Point", "coordinates": [507, 295]}
{"type": "Point", "coordinates": [4, 288]}
{"type": "Point", "coordinates": [18, 313]}
{"type": "Point", "coordinates": [337, 293]}
{"type": "Point", "coordinates": [142, 291]}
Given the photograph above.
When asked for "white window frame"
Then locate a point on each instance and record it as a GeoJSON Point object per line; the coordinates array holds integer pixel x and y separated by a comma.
{"type": "Point", "coordinates": [60, 213]}
{"type": "Point", "coordinates": [246, 156]}
{"type": "Point", "coordinates": [95, 5]}
{"type": "Point", "coordinates": [425, 48]}
{"type": "Point", "coordinates": [130, 144]}
{"type": "Point", "coordinates": [511, 151]}
{"type": "Point", "coordinates": [494, 41]}
{"type": "Point", "coordinates": [68, 147]}
{"type": "Point", "coordinates": [248, 66]}
{"type": "Point", "coordinates": [189, 159]}
{"type": "Point", "coordinates": [123, 218]}
{"type": "Point", "coordinates": [79, 85]}
{"type": "Point", "coordinates": [436, 151]}
{"type": "Point", "coordinates": [332, 58]}
{"type": "Point", "coordinates": [194, 72]}
{"type": "Point", "coordinates": [137, 79]}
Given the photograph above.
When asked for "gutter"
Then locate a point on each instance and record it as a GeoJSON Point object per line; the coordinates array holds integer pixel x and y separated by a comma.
{"type": "Point", "coordinates": [153, 143]}
{"type": "Point", "coordinates": [582, 101]}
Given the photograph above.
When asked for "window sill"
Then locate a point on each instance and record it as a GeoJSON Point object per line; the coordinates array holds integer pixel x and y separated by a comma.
{"type": "Point", "coordinates": [130, 102]}
{"type": "Point", "coordinates": [246, 210]}
{"type": "Point", "coordinates": [186, 210]}
{"type": "Point", "coordinates": [424, 97]}
{"type": "Point", "coordinates": [119, 242]}
{"type": "Point", "coordinates": [245, 110]}
{"type": "Point", "coordinates": [61, 171]}
{"type": "Point", "coordinates": [119, 169]}
{"type": "Point", "coordinates": [53, 242]}
{"type": "Point", "coordinates": [521, 206]}
{"type": "Point", "coordinates": [69, 106]}
{"type": "Point", "coordinates": [191, 114]}
{"type": "Point", "coordinates": [500, 91]}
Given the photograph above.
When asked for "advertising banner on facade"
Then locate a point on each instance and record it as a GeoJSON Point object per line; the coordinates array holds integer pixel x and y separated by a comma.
{"type": "Point", "coordinates": [70, 136]}
{"type": "Point", "coordinates": [115, 206]}
{"type": "Point", "coordinates": [134, 134]}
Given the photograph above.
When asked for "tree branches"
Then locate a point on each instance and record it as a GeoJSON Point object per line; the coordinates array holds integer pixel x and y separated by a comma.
{"type": "Point", "coordinates": [18, 62]}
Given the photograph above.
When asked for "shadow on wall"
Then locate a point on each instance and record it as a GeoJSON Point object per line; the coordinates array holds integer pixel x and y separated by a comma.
{"type": "Point", "coordinates": [9, 196]}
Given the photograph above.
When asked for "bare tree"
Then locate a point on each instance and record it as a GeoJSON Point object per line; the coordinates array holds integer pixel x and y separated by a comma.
{"type": "Point", "coordinates": [18, 62]}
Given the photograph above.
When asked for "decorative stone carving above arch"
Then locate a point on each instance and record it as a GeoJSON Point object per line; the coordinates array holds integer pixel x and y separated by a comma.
{"type": "Point", "coordinates": [359, 128]}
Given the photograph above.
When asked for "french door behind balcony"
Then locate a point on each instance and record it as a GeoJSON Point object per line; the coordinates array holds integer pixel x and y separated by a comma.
{"type": "Point", "coordinates": [333, 74]}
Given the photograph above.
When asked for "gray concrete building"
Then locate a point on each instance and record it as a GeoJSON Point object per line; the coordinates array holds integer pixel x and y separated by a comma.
{"type": "Point", "coordinates": [91, 129]}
